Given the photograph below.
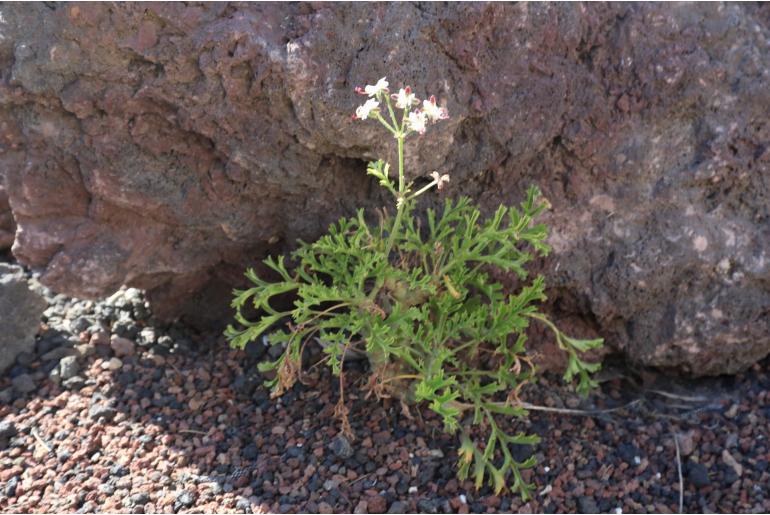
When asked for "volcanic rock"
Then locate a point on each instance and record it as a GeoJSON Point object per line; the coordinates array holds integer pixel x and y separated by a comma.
{"type": "Point", "coordinates": [20, 312]}
{"type": "Point", "coordinates": [7, 226]}
{"type": "Point", "coordinates": [185, 142]}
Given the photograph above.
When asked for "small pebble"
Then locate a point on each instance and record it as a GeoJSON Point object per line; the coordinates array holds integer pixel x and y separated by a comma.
{"type": "Point", "coordinates": [122, 346]}
{"type": "Point", "coordinates": [184, 499]}
{"type": "Point", "coordinates": [697, 474]}
{"type": "Point", "coordinates": [112, 364]}
{"type": "Point", "coordinates": [7, 429]}
{"type": "Point", "coordinates": [24, 383]}
{"type": "Point", "coordinates": [98, 411]}
{"type": "Point", "coordinates": [341, 447]}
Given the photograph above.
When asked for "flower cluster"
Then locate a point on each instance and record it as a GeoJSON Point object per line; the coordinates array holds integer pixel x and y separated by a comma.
{"type": "Point", "coordinates": [412, 121]}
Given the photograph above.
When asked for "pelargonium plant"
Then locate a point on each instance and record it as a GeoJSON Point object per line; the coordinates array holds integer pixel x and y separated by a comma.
{"type": "Point", "coordinates": [416, 294]}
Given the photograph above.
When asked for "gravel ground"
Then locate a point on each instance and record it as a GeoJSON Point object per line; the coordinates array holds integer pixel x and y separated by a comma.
{"type": "Point", "coordinates": [114, 413]}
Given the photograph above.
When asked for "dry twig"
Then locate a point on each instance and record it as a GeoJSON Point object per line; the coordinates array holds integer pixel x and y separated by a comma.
{"type": "Point", "coordinates": [194, 431]}
{"type": "Point", "coordinates": [686, 398]}
{"type": "Point", "coordinates": [566, 411]}
{"type": "Point", "coordinates": [679, 471]}
{"type": "Point", "coordinates": [39, 439]}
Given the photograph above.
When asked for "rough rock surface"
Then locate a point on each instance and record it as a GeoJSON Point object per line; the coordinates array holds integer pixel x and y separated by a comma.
{"type": "Point", "coordinates": [7, 227]}
{"type": "Point", "coordinates": [185, 141]}
{"type": "Point", "coordinates": [20, 312]}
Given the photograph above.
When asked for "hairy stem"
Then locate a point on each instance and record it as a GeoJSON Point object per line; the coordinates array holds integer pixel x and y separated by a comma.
{"type": "Point", "coordinates": [401, 193]}
{"type": "Point", "coordinates": [390, 110]}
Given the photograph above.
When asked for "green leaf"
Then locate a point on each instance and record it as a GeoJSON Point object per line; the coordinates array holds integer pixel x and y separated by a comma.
{"type": "Point", "coordinates": [510, 411]}
{"type": "Point", "coordinates": [522, 439]}
{"type": "Point", "coordinates": [583, 345]}
{"type": "Point", "coordinates": [267, 366]}
{"type": "Point", "coordinates": [497, 479]}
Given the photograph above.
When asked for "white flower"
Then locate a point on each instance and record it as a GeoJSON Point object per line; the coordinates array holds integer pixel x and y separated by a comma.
{"type": "Point", "coordinates": [416, 121]}
{"type": "Point", "coordinates": [439, 179]}
{"type": "Point", "coordinates": [405, 99]}
{"type": "Point", "coordinates": [380, 87]}
{"type": "Point", "coordinates": [432, 111]}
{"type": "Point", "coordinates": [363, 112]}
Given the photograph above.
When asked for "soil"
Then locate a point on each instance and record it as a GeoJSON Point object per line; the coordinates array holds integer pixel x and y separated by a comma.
{"type": "Point", "coordinates": [184, 425]}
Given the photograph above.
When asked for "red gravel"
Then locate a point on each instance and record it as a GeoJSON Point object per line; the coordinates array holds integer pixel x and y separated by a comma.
{"type": "Point", "coordinates": [191, 432]}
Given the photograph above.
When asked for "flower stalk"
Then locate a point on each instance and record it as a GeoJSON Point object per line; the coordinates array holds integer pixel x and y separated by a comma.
{"type": "Point", "coordinates": [400, 200]}
{"type": "Point", "coordinates": [411, 122]}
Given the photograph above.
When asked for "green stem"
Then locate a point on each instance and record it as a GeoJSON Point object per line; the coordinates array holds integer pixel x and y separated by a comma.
{"type": "Point", "coordinates": [390, 110]}
{"type": "Point", "coordinates": [380, 119]}
{"type": "Point", "coordinates": [402, 206]}
{"type": "Point", "coordinates": [392, 235]}
{"type": "Point", "coordinates": [422, 190]}
{"type": "Point", "coordinates": [552, 326]}
{"type": "Point", "coordinates": [400, 139]}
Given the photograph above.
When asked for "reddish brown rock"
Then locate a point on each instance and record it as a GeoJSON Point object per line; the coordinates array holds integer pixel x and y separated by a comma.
{"type": "Point", "coordinates": [7, 225]}
{"type": "Point", "coordinates": [376, 504]}
{"type": "Point", "coordinates": [185, 142]}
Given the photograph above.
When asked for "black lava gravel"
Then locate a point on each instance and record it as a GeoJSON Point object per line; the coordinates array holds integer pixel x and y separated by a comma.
{"type": "Point", "coordinates": [172, 422]}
